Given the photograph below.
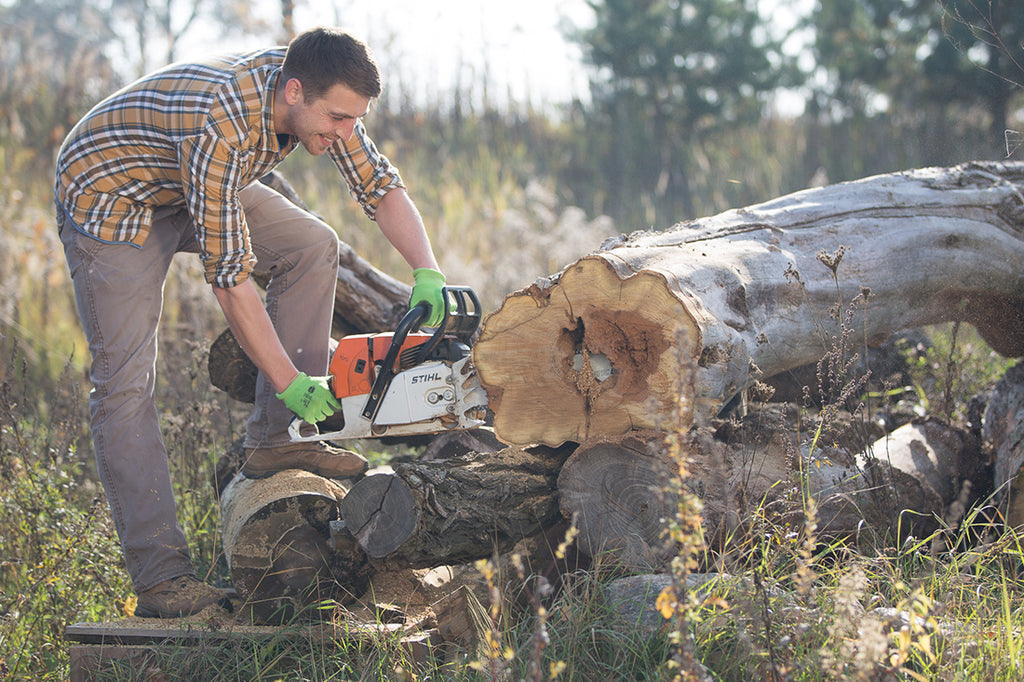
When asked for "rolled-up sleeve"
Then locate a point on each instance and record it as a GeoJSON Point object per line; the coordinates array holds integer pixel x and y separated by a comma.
{"type": "Point", "coordinates": [368, 173]}
{"type": "Point", "coordinates": [211, 173]}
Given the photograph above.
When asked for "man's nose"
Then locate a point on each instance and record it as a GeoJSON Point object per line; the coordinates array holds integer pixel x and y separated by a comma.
{"type": "Point", "coordinates": [345, 130]}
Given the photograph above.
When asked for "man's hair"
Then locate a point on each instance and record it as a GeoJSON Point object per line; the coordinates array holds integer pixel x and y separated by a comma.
{"type": "Point", "coordinates": [320, 58]}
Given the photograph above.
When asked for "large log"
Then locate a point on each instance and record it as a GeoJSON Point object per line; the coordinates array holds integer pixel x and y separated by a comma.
{"type": "Point", "coordinates": [657, 329]}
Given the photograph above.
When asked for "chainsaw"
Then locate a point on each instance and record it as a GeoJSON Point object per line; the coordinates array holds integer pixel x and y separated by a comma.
{"type": "Point", "coordinates": [405, 382]}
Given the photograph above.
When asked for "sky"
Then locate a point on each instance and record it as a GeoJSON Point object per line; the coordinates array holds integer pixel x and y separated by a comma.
{"type": "Point", "coordinates": [427, 48]}
{"type": "Point", "coordinates": [516, 45]}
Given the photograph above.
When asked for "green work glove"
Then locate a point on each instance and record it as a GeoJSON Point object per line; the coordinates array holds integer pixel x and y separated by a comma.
{"type": "Point", "coordinates": [427, 287]}
{"type": "Point", "coordinates": [310, 398]}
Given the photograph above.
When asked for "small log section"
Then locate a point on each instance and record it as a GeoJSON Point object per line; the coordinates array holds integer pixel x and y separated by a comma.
{"type": "Point", "coordinates": [1003, 430]}
{"type": "Point", "coordinates": [451, 511]}
{"type": "Point", "coordinates": [284, 548]}
{"type": "Point", "coordinates": [657, 330]}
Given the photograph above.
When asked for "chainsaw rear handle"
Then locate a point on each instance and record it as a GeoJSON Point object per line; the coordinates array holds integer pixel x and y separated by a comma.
{"type": "Point", "coordinates": [463, 322]}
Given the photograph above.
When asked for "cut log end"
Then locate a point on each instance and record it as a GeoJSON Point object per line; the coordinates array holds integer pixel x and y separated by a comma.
{"type": "Point", "coordinates": [380, 513]}
{"type": "Point", "coordinates": [615, 345]}
{"type": "Point", "coordinates": [618, 495]}
{"type": "Point", "coordinates": [280, 546]}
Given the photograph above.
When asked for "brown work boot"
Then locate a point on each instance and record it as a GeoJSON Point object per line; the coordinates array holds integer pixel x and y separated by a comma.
{"type": "Point", "coordinates": [316, 456]}
{"type": "Point", "coordinates": [182, 596]}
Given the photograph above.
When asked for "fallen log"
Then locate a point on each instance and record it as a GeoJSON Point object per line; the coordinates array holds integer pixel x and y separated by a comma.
{"type": "Point", "coordinates": [295, 539]}
{"type": "Point", "coordinates": [620, 493]}
{"type": "Point", "coordinates": [451, 511]}
{"type": "Point", "coordinates": [658, 329]}
{"type": "Point", "coordinates": [1003, 431]}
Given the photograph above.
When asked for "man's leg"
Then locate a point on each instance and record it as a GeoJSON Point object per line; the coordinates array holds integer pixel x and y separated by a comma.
{"type": "Point", "coordinates": [119, 293]}
{"type": "Point", "coordinates": [300, 253]}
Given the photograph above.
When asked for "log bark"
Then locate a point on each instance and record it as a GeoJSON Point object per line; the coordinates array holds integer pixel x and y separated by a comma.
{"type": "Point", "coordinates": [620, 492]}
{"type": "Point", "coordinates": [1003, 431]}
{"type": "Point", "coordinates": [455, 510]}
{"type": "Point", "coordinates": [658, 329]}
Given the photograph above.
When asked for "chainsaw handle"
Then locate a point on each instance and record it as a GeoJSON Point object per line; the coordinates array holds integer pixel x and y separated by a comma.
{"type": "Point", "coordinates": [466, 322]}
{"type": "Point", "coordinates": [410, 322]}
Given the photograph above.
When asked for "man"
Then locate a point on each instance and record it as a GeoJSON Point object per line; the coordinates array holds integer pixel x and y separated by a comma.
{"type": "Point", "coordinates": [171, 163]}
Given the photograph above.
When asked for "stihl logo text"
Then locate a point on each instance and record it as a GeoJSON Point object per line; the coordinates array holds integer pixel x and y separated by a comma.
{"type": "Point", "coordinates": [424, 378]}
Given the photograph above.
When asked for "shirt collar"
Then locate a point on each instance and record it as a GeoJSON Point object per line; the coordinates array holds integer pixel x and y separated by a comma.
{"type": "Point", "coordinates": [273, 139]}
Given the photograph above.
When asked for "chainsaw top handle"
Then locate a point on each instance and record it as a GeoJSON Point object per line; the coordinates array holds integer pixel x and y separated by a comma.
{"type": "Point", "coordinates": [459, 321]}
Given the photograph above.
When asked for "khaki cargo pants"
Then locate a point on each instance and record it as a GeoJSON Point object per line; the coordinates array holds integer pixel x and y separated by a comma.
{"type": "Point", "coordinates": [119, 293]}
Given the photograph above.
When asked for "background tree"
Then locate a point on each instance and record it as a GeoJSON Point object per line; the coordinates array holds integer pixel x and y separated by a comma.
{"type": "Point", "coordinates": [985, 36]}
{"type": "Point", "coordinates": [666, 72]}
{"type": "Point", "coordinates": [926, 67]}
{"type": "Point", "coordinates": [59, 57]}
{"type": "Point", "coordinates": [156, 28]}
{"type": "Point", "coordinates": [52, 66]}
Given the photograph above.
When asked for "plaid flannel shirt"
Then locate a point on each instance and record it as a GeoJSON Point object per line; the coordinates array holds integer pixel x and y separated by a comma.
{"type": "Point", "coordinates": [194, 135]}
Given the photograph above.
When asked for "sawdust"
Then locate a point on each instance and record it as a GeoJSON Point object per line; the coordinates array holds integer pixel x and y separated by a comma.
{"type": "Point", "coordinates": [413, 592]}
{"type": "Point", "coordinates": [213, 618]}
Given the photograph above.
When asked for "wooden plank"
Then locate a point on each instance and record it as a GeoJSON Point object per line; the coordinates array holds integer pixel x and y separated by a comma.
{"type": "Point", "coordinates": [95, 647]}
{"type": "Point", "coordinates": [185, 633]}
{"type": "Point", "coordinates": [89, 662]}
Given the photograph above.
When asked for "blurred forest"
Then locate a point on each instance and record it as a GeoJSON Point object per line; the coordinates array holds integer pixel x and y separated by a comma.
{"type": "Point", "coordinates": [681, 119]}
{"type": "Point", "coordinates": [679, 122]}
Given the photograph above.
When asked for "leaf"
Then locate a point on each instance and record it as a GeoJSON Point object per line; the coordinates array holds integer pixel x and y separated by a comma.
{"type": "Point", "coordinates": [667, 602]}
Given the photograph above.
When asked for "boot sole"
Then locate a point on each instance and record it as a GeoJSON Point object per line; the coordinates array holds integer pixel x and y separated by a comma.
{"type": "Point", "coordinates": [146, 612]}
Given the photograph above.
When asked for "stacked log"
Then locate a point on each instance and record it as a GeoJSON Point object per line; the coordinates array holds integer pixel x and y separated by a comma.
{"type": "Point", "coordinates": [286, 548]}
{"type": "Point", "coordinates": [590, 372]}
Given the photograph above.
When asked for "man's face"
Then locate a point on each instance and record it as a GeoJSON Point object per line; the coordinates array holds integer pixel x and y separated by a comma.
{"type": "Point", "coordinates": [320, 122]}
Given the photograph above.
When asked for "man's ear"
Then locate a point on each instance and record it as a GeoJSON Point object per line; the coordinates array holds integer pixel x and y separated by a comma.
{"type": "Point", "coordinates": [293, 91]}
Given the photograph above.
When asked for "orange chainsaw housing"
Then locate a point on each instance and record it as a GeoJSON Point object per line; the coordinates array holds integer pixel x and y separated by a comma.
{"type": "Point", "coordinates": [353, 369]}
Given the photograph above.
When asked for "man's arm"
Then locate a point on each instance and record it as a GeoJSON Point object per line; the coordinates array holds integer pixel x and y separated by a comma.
{"type": "Point", "coordinates": [255, 333]}
{"type": "Point", "coordinates": [400, 221]}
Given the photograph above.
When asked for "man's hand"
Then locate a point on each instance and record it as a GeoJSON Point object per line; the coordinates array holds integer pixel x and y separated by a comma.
{"type": "Point", "coordinates": [428, 287]}
{"type": "Point", "coordinates": [310, 398]}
